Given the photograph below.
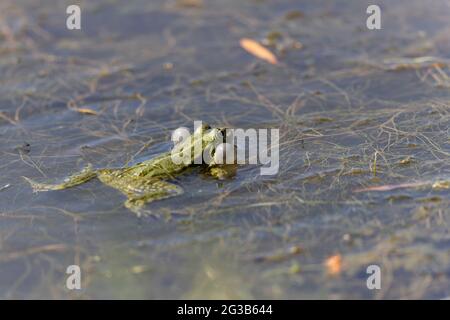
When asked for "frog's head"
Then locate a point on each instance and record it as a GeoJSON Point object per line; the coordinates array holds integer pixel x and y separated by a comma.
{"type": "Point", "coordinates": [219, 144]}
{"type": "Point", "coordinates": [202, 142]}
{"type": "Point", "coordinates": [210, 138]}
{"type": "Point", "coordinates": [218, 147]}
{"type": "Point", "coordinates": [223, 155]}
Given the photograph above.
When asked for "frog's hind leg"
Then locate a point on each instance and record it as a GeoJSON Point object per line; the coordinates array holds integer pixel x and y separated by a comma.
{"type": "Point", "coordinates": [139, 190]}
{"type": "Point", "coordinates": [75, 179]}
{"type": "Point", "coordinates": [148, 191]}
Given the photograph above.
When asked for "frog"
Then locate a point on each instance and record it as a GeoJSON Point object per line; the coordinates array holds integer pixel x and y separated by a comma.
{"type": "Point", "coordinates": [152, 179]}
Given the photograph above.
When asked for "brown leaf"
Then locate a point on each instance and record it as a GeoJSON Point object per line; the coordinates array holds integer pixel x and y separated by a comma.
{"type": "Point", "coordinates": [256, 49]}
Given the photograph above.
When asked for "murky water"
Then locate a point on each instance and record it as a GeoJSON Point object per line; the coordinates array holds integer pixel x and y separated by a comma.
{"type": "Point", "coordinates": [351, 115]}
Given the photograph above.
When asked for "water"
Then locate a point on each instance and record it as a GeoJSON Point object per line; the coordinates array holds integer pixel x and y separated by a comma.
{"type": "Point", "coordinates": [148, 68]}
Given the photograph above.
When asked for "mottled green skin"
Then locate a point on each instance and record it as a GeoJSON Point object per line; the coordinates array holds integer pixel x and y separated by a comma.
{"type": "Point", "coordinates": [147, 181]}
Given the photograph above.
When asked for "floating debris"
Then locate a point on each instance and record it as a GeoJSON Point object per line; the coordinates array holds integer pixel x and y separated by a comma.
{"type": "Point", "coordinates": [86, 111]}
{"type": "Point", "coordinates": [72, 105]}
{"type": "Point", "coordinates": [139, 269]}
{"type": "Point", "coordinates": [6, 186]}
{"type": "Point", "coordinates": [347, 237]}
{"type": "Point", "coordinates": [406, 161]}
{"type": "Point", "coordinates": [334, 264]}
{"type": "Point", "coordinates": [390, 187]}
{"type": "Point", "coordinates": [7, 118]}
{"type": "Point", "coordinates": [441, 185]}
{"type": "Point", "coordinates": [168, 66]}
{"type": "Point", "coordinates": [256, 49]}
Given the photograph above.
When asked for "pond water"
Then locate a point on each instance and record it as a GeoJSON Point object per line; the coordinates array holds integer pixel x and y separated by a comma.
{"type": "Point", "coordinates": [356, 109]}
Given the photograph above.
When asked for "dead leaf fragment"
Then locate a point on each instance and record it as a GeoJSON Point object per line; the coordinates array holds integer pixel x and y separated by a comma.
{"type": "Point", "coordinates": [256, 49]}
{"type": "Point", "coordinates": [390, 187]}
{"type": "Point", "coordinates": [406, 161]}
{"type": "Point", "coordinates": [441, 185]}
{"type": "Point", "coordinates": [334, 264]}
{"type": "Point", "coordinates": [86, 111]}
{"type": "Point", "coordinates": [72, 105]}
{"type": "Point", "coordinates": [139, 269]}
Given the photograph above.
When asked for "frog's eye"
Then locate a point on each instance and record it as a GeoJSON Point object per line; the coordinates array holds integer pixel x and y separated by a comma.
{"type": "Point", "coordinates": [206, 127]}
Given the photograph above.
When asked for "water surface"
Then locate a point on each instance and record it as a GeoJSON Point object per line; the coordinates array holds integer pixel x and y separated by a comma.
{"type": "Point", "coordinates": [350, 116]}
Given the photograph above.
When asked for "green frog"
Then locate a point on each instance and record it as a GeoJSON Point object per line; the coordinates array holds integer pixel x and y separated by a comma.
{"type": "Point", "coordinates": [150, 180]}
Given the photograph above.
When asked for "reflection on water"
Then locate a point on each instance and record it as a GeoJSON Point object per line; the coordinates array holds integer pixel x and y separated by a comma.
{"type": "Point", "coordinates": [355, 109]}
